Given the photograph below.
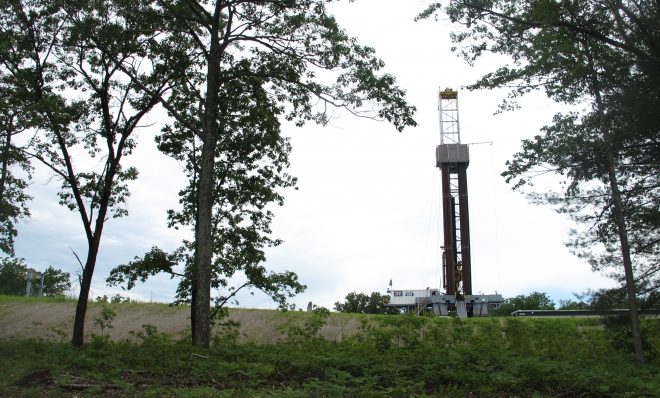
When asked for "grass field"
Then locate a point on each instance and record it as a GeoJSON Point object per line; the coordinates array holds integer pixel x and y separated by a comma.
{"type": "Point", "coordinates": [383, 356]}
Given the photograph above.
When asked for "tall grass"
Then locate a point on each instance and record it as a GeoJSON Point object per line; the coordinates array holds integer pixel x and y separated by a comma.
{"type": "Point", "coordinates": [390, 356]}
{"type": "Point", "coordinates": [33, 299]}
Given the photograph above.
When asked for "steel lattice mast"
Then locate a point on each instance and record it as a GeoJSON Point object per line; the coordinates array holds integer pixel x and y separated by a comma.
{"type": "Point", "coordinates": [453, 159]}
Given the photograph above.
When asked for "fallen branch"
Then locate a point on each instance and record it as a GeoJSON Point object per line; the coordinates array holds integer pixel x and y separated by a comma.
{"type": "Point", "coordinates": [79, 387]}
{"type": "Point", "coordinates": [198, 356]}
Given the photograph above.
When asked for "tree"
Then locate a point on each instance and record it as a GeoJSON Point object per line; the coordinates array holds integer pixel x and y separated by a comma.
{"type": "Point", "coordinates": [51, 49]}
{"type": "Point", "coordinates": [15, 168]}
{"type": "Point", "coordinates": [250, 165]}
{"type": "Point", "coordinates": [14, 276]}
{"type": "Point", "coordinates": [283, 45]}
{"type": "Point", "coordinates": [355, 303]}
{"type": "Point", "coordinates": [361, 303]}
{"type": "Point", "coordinates": [615, 298]}
{"type": "Point", "coordinates": [56, 282]}
{"type": "Point", "coordinates": [532, 301]}
{"type": "Point", "coordinates": [249, 174]}
{"type": "Point", "coordinates": [566, 305]}
{"type": "Point", "coordinates": [598, 54]}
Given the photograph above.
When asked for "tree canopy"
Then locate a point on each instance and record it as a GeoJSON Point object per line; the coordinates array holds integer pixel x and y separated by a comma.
{"type": "Point", "coordinates": [531, 301]}
{"type": "Point", "coordinates": [14, 277]}
{"type": "Point", "coordinates": [15, 168]}
{"type": "Point", "coordinates": [361, 303]}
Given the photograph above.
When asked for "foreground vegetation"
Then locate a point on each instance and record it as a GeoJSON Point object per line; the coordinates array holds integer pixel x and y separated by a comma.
{"type": "Point", "coordinates": [390, 356]}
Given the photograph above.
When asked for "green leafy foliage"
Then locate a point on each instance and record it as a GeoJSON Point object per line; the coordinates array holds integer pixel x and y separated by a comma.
{"type": "Point", "coordinates": [249, 173]}
{"type": "Point", "coordinates": [438, 357]}
{"type": "Point", "coordinates": [15, 169]}
{"type": "Point", "coordinates": [56, 282]}
{"type": "Point", "coordinates": [279, 286]}
{"type": "Point", "coordinates": [227, 333]}
{"type": "Point", "coordinates": [14, 276]}
{"type": "Point", "coordinates": [140, 269]}
{"type": "Point", "coordinates": [531, 301]}
{"type": "Point", "coordinates": [397, 332]}
{"type": "Point", "coordinates": [619, 336]}
{"type": "Point", "coordinates": [607, 299]}
{"type": "Point", "coordinates": [311, 330]}
{"type": "Point", "coordinates": [104, 320]}
{"type": "Point", "coordinates": [573, 305]}
{"type": "Point", "coordinates": [360, 303]}
{"type": "Point", "coordinates": [116, 298]}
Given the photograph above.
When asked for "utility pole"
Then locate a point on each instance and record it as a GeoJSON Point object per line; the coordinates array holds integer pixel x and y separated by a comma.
{"type": "Point", "coordinates": [41, 285]}
{"type": "Point", "coordinates": [28, 286]}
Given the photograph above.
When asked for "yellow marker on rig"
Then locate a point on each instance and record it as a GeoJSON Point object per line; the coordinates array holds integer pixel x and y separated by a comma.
{"type": "Point", "coordinates": [449, 93]}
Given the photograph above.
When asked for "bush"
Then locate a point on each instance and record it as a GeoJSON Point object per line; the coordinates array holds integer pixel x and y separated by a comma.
{"type": "Point", "coordinates": [532, 301]}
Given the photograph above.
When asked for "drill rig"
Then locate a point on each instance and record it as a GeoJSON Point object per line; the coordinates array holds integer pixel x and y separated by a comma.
{"type": "Point", "coordinates": [452, 158]}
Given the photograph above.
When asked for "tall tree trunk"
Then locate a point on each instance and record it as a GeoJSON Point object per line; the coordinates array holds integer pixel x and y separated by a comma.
{"type": "Point", "coordinates": [617, 204]}
{"type": "Point", "coordinates": [5, 163]}
{"type": "Point", "coordinates": [201, 312]}
{"type": "Point", "coordinates": [93, 237]}
{"type": "Point", "coordinates": [622, 231]}
{"type": "Point", "coordinates": [204, 246]}
{"type": "Point", "coordinates": [81, 308]}
{"type": "Point", "coordinates": [193, 303]}
{"type": "Point", "coordinates": [619, 216]}
{"type": "Point", "coordinates": [93, 250]}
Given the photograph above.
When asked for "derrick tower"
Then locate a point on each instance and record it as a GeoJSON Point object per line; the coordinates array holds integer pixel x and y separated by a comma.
{"type": "Point", "coordinates": [453, 158]}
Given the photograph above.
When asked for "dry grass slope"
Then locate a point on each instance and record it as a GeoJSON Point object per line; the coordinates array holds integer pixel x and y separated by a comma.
{"type": "Point", "coordinates": [54, 320]}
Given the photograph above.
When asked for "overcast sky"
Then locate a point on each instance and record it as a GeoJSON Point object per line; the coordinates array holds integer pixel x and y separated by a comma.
{"type": "Point", "coordinates": [368, 205]}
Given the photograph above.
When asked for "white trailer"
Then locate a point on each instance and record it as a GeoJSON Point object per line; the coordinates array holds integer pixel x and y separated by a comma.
{"type": "Point", "coordinates": [410, 297]}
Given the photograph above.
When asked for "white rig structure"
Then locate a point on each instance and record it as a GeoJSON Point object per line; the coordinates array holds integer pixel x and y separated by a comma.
{"type": "Point", "coordinates": [419, 301]}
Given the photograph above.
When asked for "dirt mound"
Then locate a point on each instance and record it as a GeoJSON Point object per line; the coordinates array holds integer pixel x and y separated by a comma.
{"type": "Point", "coordinates": [54, 321]}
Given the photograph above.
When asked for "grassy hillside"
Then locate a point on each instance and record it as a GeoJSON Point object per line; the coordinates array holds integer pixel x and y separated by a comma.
{"type": "Point", "coordinates": [369, 356]}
